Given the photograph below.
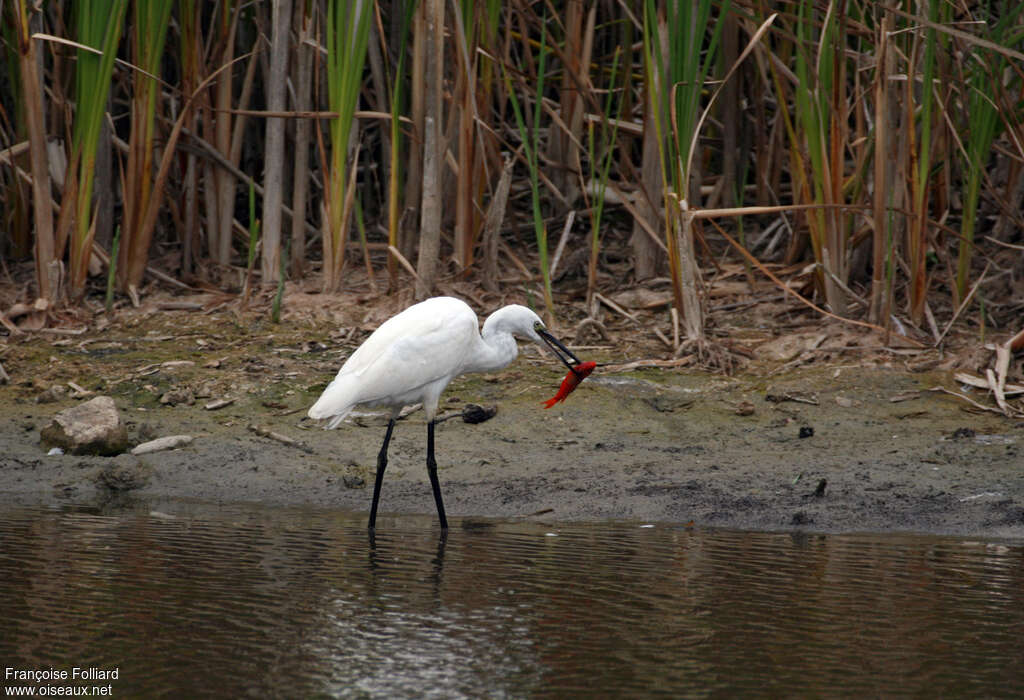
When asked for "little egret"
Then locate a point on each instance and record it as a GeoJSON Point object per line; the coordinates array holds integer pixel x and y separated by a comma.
{"type": "Point", "coordinates": [413, 356]}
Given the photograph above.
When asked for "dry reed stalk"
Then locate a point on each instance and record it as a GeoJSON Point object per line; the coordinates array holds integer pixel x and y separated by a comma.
{"type": "Point", "coordinates": [409, 221]}
{"type": "Point", "coordinates": [730, 113]}
{"type": "Point", "coordinates": [433, 149]}
{"type": "Point", "coordinates": [273, 174]}
{"type": "Point", "coordinates": [151, 20]}
{"type": "Point", "coordinates": [190, 50]}
{"type": "Point", "coordinates": [564, 143]}
{"type": "Point", "coordinates": [303, 77]}
{"type": "Point", "coordinates": [464, 106]}
{"type": "Point", "coordinates": [223, 185]}
{"type": "Point", "coordinates": [649, 196]}
{"type": "Point", "coordinates": [882, 180]}
{"type": "Point", "coordinates": [34, 116]}
{"type": "Point", "coordinates": [689, 274]}
{"type": "Point", "coordinates": [212, 155]}
{"type": "Point", "coordinates": [169, 154]}
{"type": "Point", "coordinates": [492, 226]}
{"type": "Point", "coordinates": [393, 141]}
{"type": "Point", "coordinates": [228, 134]}
{"type": "Point", "coordinates": [920, 155]}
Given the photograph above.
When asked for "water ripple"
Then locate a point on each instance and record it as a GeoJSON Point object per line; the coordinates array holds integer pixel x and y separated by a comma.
{"type": "Point", "coordinates": [202, 601]}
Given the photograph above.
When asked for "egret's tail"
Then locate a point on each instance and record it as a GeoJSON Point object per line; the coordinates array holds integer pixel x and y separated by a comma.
{"type": "Point", "coordinates": [334, 404]}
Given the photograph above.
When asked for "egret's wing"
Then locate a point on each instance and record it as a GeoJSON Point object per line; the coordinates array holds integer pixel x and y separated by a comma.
{"type": "Point", "coordinates": [438, 350]}
{"type": "Point", "coordinates": [419, 320]}
{"type": "Point", "coordinates": [421, 345]}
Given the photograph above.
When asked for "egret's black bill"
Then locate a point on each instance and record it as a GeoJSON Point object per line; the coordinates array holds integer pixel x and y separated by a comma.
{"type": "Point", "coordinates": [552, 343]}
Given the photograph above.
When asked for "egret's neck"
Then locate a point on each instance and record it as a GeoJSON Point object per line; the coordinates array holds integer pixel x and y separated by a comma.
{"type": "Point", "coordinates": [497, 349]}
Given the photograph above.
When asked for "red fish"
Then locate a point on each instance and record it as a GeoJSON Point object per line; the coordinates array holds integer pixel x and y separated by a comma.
{"type": "Point", "coordinates": [572, 380]}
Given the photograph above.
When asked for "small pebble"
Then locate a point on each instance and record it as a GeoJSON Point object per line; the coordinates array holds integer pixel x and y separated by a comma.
{"type": "Point", "coordinates": [744, 408]}
{"type": "Point", "coordinates": [353, 482]}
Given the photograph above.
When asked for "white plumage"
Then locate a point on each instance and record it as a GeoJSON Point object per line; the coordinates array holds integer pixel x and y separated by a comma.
{"type": "Point", "coordinates": [413, 356]}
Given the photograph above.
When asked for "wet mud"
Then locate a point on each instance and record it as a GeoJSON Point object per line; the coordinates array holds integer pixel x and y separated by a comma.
{"type": "Point", "coordinates": [838, 448]}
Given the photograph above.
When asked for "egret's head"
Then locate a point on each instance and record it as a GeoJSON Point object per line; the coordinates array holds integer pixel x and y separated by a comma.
{"type": "Point", "coordinates": [524, 323]}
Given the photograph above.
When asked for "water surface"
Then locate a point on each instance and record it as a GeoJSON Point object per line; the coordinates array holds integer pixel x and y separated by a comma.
{"type": "Point", "coordinates": [191, 600]}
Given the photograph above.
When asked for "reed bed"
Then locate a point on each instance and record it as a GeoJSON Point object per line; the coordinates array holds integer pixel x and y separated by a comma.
{"type": "Point", "coordinates": [868, 157]}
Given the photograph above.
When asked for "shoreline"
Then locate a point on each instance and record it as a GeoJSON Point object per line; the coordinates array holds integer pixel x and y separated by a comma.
{"type": "Point", "coordinates": [646, 445]}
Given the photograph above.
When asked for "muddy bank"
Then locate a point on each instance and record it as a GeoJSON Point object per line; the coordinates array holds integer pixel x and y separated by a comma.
{"type": "Point", "coordinates": [832, 449]}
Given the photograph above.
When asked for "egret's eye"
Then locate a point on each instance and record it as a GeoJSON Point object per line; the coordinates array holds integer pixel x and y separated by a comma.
{"type": "Point", "coordinates": [538, 326]}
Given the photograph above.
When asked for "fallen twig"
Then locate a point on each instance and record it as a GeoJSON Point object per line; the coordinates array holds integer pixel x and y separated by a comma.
{"type": "Point", "coordinates": [779, 398]}
{"type": "Point", "coordinates": [79, 392]}
{"type": "Point", "coordinates": [561, 242]}
{"type": "Point", "coordinates": [170, 442]}
{"type": "Point", "coordinates": [179, 306]}
{"type": "Point", "coordinates": [64, 331]}
{"type": "Point", "coordinates": [969, 400]}
{"type": "Point", "coordinates": [625, 367]}
{"type": "Point", "coordinates": [13, 329]}
{"type": "Point", "coordinates": [964, 303]}
{"type": "Point", "coordinates": [615, 307]}
{"type": "Point", "coordinates": [981, 383]}
{"type": "Point", "coordinates": [1016, 342]}
{"type": "Point", "coordinates": [283, 439]}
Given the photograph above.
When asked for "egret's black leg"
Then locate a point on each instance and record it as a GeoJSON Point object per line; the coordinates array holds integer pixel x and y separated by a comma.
{"type": "Point", "coordinates": [432, 472]}
{"type": "Point", "coordinates": [382, 463]}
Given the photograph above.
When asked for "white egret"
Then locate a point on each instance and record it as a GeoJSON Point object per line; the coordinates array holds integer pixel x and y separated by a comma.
{"type": "Point", "coordinates": [414, 355]}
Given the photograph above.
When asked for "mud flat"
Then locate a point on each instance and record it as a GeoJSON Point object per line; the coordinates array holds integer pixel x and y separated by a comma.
{"type": "Point", "coordinates": [829, 449]}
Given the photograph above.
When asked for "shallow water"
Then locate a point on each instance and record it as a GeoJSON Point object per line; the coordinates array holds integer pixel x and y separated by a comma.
{"type": "Point", "coordinates": [188, 600]}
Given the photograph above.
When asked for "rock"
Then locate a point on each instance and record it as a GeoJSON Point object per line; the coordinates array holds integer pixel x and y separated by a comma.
{"type": "Point", "coordinates": [963, 434]}
{"type": "Point", "coordinates": [820, 491]}
{"type": "Point", "coordinates": [205, 390]}
{"type": "Point", "coordinates": [93, 427]}
{"type": "Point", "coordinates": [124, 473]}
{"type": "Point", "coordinates": [473, 413]}
{"type": "Point", "coordinates": [54, 393]}
{"type": "Point", "coordinates": [165, 443]}
{"type": "Point", "coordinates": [178, 396]}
